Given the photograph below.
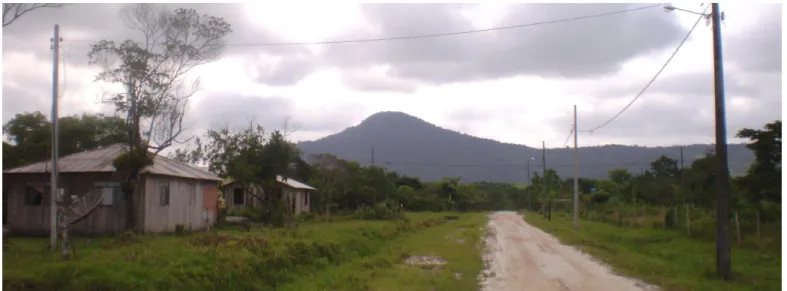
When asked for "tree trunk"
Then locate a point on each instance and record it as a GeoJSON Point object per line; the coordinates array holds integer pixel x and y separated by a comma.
{"type": "Point", "coordinates": [131, 215]}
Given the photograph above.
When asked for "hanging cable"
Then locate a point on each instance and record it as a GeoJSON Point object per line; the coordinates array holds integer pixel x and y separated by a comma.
{"type": "Point", "coordinates": [651, 80]}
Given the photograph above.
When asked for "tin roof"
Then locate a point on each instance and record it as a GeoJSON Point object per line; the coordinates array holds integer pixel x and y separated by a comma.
{"type": "Point", "coordinates": [293, 183]}
{"type": "Point", "coordinates": [100, 160]}
{"type": "Point", "coordinates": [289, 182]}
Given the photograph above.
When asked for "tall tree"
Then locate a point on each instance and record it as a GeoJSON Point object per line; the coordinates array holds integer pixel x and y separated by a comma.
{"type": "Point", "coordinates": [154, 75]}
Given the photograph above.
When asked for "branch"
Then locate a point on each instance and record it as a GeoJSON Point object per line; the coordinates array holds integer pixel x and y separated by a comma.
{"type": "Point", "coordinates": [20, 9]}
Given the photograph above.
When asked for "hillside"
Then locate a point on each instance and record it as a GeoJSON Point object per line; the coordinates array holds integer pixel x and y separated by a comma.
{"type": "Point", "coordinates": [412, 146]}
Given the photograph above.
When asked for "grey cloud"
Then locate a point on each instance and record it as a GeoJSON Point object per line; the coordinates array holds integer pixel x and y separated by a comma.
{"type": "Point", "coordinates": [80, 24]}
{"type": "Point", "coordinates": [693, 115]}
{"type": "Point", "coordinates": [236, 111]}
{"type": "Point", "coordinates": [576, 49]}
{"type": "Point", "coordinates": [285, 72]}
{"type": "Point", "coordinates": [365, 81]}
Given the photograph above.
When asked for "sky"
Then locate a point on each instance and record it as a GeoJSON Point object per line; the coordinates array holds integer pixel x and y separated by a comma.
{"type": "Point", "coordinates": [515, 85]}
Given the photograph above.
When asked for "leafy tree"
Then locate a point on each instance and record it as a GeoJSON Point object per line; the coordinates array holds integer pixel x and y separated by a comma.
{"type": "Point", "coordinates": [254, 160]}
{"type": "Point", "coordinates": [153, 73]}
{"type": "Point", "coordinates": [30, 135]}
{"type": "Point", "coordinates": [664, 167]}
{"type": "Point", "coordinates": [763, 179]}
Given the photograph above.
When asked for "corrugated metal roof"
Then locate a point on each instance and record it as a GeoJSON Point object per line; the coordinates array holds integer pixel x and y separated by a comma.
{"type": "Point", "coordinates": [100, 160]}
{"type": "Point", "coordinates": [289, 182]}
{"type": "Point", "coordinates": [293, 183]}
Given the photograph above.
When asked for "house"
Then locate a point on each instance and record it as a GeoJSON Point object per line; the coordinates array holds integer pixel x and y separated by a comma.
{"type": "Point", "coordinates": [296, 193]}
{"type": "Point", "coordinates": [172, 194]}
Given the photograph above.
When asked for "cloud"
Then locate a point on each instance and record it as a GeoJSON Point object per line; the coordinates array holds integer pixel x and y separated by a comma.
{"type": "Point", "coordinates": [579, 49]}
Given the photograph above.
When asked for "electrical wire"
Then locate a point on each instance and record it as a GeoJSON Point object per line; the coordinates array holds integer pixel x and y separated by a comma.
{"type": "Point", "coordinates": [652, 79]}
{"type": "Point", "coordinates": [565, 144]}
{"type": "Point", "coordinates": [434, 35]}
{"type": "Point", "coordinates": [599, 165]}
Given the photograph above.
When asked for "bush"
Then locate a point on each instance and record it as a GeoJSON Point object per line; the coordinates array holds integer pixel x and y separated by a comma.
{"type": "Point", "coordinates": [386, 210]}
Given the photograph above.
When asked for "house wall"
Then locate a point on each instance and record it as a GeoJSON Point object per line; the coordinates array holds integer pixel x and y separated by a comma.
{"type": "Point", "coordinates": [300, 197]}
{"type": "Point", "coordinates": [34, 219]}
{"type": "Point", "coordinates": [186, 204]}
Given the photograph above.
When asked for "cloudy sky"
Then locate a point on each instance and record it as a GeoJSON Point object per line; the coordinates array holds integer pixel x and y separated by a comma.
{"type": "Point", "coordinates": [514, 85]}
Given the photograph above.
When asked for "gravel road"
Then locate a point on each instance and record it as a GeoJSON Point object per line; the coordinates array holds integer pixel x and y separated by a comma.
{"type": "Point", "coordinates": [524, 258]}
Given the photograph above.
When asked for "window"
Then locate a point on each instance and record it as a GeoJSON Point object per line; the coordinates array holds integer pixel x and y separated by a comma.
{"type": "Point", "coordinates": [237, 196]}
{"type": "Point", "coordinates": [110, 191]}
{"type": "Point", "coordinates": [34, 194]}
{"type": "Point", "coordinates": [164, 193]}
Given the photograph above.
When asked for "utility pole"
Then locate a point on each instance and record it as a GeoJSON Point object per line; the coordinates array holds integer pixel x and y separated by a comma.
{"type": "Point", "coordinates": [723, 253]}
{"type": "Point", "coordinates": [53, 187]}
{"type": "Point", "coordinates": [372, 155]}
{"type": "Point", "coordinates": [544, 176]}
{"type": "Point", "coordinates": [576, 174]}
{"type": "Point", "coordinates": [529, 197]}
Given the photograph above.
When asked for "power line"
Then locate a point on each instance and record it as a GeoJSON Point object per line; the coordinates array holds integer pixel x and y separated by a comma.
{"type": "Point", "coordinates": [599, 165]}
{"type": "Point", "coordinates": [569, 136]}
{"type": "Point", "coordinates": [651, 80]}
{"type": "Point", "coordinates": [434, 35]}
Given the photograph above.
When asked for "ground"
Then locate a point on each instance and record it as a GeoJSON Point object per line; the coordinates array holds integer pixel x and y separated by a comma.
{"type": "Point", "coordinates": [524, 258]}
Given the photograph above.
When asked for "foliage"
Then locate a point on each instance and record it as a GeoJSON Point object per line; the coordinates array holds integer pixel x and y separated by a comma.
{"type": "Point", "coordinates": [261, 259]}
{"type": "Point", "coordinates": [29, 136]}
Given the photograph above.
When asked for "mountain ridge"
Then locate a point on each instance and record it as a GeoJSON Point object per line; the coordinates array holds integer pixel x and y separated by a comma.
{"type": "Point", "coordinates": [412, 146]}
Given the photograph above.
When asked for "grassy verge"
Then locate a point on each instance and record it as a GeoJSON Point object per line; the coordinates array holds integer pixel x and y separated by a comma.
{"type": "Point", "coordinates": [261, 259]}
{"type": "Point", "coordinates": [665, 258]}
{"type": "Point", "coordinates": [455, 242]}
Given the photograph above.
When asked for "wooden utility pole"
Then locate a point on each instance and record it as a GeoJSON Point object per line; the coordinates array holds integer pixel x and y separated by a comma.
{"type": "Point", "coordinates": [723, 252]}
{"type": "Point", "coordinates": [544, 176]}
{"type": "Point", "coordinates": [576, 173]}
{"type": "Point", "coordinates": [53, 187]}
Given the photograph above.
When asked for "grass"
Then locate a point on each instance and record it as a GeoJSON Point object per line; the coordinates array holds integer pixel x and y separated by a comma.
{"type": "Point", "coordinates": [456, 242]}
{"type": "Point", "coordinates": [261, 259]}
{"type": "Point", "coordinates": [665, 258]}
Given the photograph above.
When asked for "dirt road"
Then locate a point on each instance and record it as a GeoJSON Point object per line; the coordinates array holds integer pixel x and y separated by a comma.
{"type": "Point", "coordinates": [523, 258]}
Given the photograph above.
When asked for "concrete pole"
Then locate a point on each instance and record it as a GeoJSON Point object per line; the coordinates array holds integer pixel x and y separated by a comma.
{"type": "Point", "coordinates": [53, 178]}
{"type": "Point", "coordinates": [576, 173]}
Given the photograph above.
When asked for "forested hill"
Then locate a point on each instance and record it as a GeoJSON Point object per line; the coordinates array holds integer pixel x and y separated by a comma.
{"type": "Point", "coordinates": [409, 145]}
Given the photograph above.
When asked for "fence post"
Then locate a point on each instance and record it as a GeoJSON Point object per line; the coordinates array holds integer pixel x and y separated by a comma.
{"type": "Point", "coordinates": [757, 213]}
{"type": "Point", "coordinates": [688, 220]}
{"type": "Point", "coordinates": [737, 227]}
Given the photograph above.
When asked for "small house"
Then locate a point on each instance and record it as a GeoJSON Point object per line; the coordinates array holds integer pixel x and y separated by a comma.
{"type": "Point", "coordinates": [296, 193]}
{"type": "Point", "coordinates": [171, 194]}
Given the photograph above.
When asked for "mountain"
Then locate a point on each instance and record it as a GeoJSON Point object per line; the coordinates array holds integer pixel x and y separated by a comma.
{"type": "Point", "coordinates": [412, 146]}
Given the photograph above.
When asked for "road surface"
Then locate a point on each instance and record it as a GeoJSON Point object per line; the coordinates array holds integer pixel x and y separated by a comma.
{"type": "Point", "coordinates": [523, 258]}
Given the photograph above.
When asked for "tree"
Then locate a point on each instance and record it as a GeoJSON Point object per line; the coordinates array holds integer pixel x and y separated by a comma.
{"type": "Point", "coordinates": [664, 167]}
{"type": "Point", "coordinates": [153, 73]}
{"type": "Point", "coordinates": [254, 160]}
{"type": "Point", "coordinates": [333, 173]}
{"type": "Point", "coordinates": [13, 11]}
{"type": "Point", "coordinates": [30, 136]}
{"type": "Point", "coordinates": [763, 179]}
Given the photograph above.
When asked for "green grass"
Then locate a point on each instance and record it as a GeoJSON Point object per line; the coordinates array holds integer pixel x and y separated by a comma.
{"type": "Point", "coordinates": [456, 242]}
{"type": "Point", "coordinates": [261, 259]}
{"type": "Point", "coordinates": [665, 258]}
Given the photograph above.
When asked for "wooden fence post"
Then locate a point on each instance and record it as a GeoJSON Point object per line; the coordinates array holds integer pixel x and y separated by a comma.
{"type": "Point", "coordinates": [757, 213]}
{"type": "Point", "coordinates": [688, 220]}
{"type": "Point", "coordinates": [737, 227]}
